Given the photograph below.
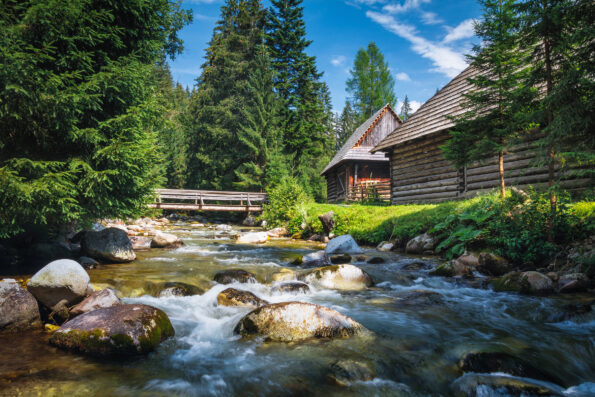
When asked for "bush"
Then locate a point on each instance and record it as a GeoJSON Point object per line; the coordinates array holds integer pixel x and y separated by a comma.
{"type": "Point", "coordinates": [285, 206]}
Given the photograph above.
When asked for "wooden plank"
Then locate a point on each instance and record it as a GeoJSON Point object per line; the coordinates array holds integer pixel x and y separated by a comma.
{"type": "Point", "coordinates": [207, 207]}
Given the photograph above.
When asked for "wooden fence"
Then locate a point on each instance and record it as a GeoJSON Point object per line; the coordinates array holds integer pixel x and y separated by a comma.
{"type": "Point", "coordinates": [208, 200]}
{"type": "Point", "coordinates": [369, 191]}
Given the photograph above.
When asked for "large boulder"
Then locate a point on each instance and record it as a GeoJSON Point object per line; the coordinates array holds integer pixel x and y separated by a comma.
{"type": "Point", "coordinates": [18, 308]}
{"type": "Point", "coordinates": [62, 281]}
{"type": "Point", "coordinates": [340, 277]}
{"type": "Point", "coordinates": [97, 300]}
{"type": "Point", "coordinates": [536, 283]}
{"type": "Point", "coordinates": [166, 240]}
{"type": "Point", "coordinates": [510, 282]}
{"type": "Point", "coordinates": [420, 244]}
{"type": "Point", "coordinates": [315, 259]}
{"type": "Point", "coordinates": [328, 222]}
{"type": "Point", "coordinates": [176, 288]}
{"type": "Point", "coordinates": [344, 244]}
{"type": "Point", "coordinates": [234, 276]}
{"type": "Point", "coordinates": [234, 297]}
{"type": "Point", "coordinates": [385, 246]}
{"type": "Point", "coordinates": [295, 321]}
{"type": "Point", "coordinates": [110, 245]}
{"type": "Point", "coordinates": [253, 238]}
{"type": "Point", "coordinates": [493, 265]}
{"type": "Point", "coordinates": [453, 268]}
{"type": "Point", "coordinates": [573, 282]}
{"type": "Point", "coordinates": [117, 330]}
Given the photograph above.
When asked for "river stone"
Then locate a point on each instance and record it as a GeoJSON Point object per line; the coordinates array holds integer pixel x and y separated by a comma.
{"type": "Point", "coordinates": [420, 244]}
{"type": "Point", "coordinates": [117, 330]}
{"type": "Point", "coordinates": [345, 372]}
{"type": "Point", "coordinates": [340, 258]}
{"type": "Point", "coordinates": [314, 259]}
{"type": "Point", "coordinates": [344, 244]}
{"type": "Point", "coordinates": [63, 280]}
{"type": "Point", "coordinates": [375, 260]}
{"type": "Point", "coordinates": [296, 321]}
{"type": "Point", "coordinates": [234, 297]}
{"type": "Point", "coordinates": [328, 222]}
{"type": "Point", "coordinates": [473, 385]}
{"type": "Point", "coordinates": [536, 283]}
{"type": "Point", "coordinates": [253, 238]}
{"type": "Point", "coordinates": [104, 298]}
{"type": "Point", "coordinates": [277, 232]}
{"type": "Point", "coordinates": [418, 297]}
{"type": "Point", "coordinates": [250, 220]}
{"type": "Point", "coordinates": [141, 243]}
{"type": "Point", "coordinates": [175, 288]}
{"type": "Point", "coordinates": [291, 287]}
{"type": "Point", "coordinates": [489, 362]}
{"type": "Point", "coordinates": [510, 282]}
{"type": "Point", "coordinates": [284, 275]}
{"type": "Point", "coordinates": [451, 269]}
{"type": "Point", "coordinates": [18, 308]}
{"type": "Point", "coordinates": [111, 245]}
{"type": "Point", "coordinates": [493, 265]}
{"type": "Point", "coordinates": [234, 276]}
{"type": "Point", "coordinates": [385, 246]}
{"type": "Point", "coordinates": [88, 263]}
{"type": "Point", "coordinates": [469, 259]}
{"type": "Point", "coordinates": [166, 240]}
{"type": "Point", "coordinates": [341, 277]}
{"type": "Point", "coordinates": [573, 282]}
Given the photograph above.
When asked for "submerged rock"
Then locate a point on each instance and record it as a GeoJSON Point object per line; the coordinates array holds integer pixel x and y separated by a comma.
{"type": "Point", "coordinates": [117, 330]}
{"type": "Point", "coordinates": [253, 238]}
{"type": "Point", "coordinates": [345, 372]}
{"type": "Point", "coordinates": [573, 312]}
{"type": "Point", "coordinates": [104, 298]}
{"type": "Point", "coordinates": [340, 258]}
{"type": "Point", "coordinates": [291, 287]}
{"type": "Point", "coordinates": [296, 321]}
{"type": "Point", "coordinates": [314, 259]}
{"type": "Point", "coordinates": [176, 288]}
{"type": "Point", "coordinates": [493, 265]}
{"type": "Point", "coordinates": [341, 277]}
{"type": "Point", "coordinates": [375, 260]}
{"type": "Point", "coordinates": [420, 244]}
{"type": "Point", "coordinates": [18, 308]}
{"type": "Point", "coordinates": [234, 276]}
{"type": "Point", "coordinates": [62, 281]}
{"type": "Point", "coordinates": [111, 245]}
{"type": "Point", "coordinates": [473, 385]}
{"type": "Point", "coordinates": [418, 297]}
{"type": "Point", "coordinates": [234, 297]}
{"type": "Point", "coordinates": [344, 244]}
{"type": "Point", "coordinates": [166, 240]}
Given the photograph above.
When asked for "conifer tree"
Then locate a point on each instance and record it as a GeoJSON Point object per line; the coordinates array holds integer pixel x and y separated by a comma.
{"type": "Point", "coordinates": [371, 84]}
{"type": "Point", "coordinates": [405, 109]}
{"type": "Point", "coordinates": [490, 121]}
{"type": "Point", "coordinates": [345, 125]}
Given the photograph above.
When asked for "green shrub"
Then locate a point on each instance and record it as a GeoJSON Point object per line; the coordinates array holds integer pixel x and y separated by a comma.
{"type": "Point", "coordinates": [285, 205]}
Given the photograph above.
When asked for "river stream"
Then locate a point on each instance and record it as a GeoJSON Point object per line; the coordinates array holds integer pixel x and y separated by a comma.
{"type": "Point", "coordinates": [413, 348]}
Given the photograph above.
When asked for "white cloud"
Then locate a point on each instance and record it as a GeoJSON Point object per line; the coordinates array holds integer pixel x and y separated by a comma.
{"type": "Point", "coordinates": [338, 60]}
{"type": "Point", "coordinates": [430, 18]}
{"type": "Point", "coordinates": [464, 30]}
{"type": "Point", "coordinates": [402, 76]}
{"type": "Point", "coordinates": [413, 104]}
{"type": "Point", "coordinates": [406, 6]}
{"type": "Point", "coordinates": [444, 59]}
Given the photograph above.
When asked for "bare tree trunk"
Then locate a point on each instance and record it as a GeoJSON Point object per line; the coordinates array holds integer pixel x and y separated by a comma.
{"type": "Point", "coordinates": [501, 171]}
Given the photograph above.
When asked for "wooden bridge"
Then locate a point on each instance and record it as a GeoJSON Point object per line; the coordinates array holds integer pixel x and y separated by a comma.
{"type": "Point", "coordinates": [208, 200]}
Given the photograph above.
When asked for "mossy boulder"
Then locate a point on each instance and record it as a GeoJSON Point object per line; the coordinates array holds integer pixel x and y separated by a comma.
{"type": "Point", "coordinates": [234, 276]}
{"type": "Point", "coordinates": [536, 283]}
{"type": "Point", "coordinates": [493, 265]}
{"type": "Point", "coordinates": [345, 372]}
{"type": "Point", "coordinates": [510, 282]}
{"type": "Point", "coordinates": [293, 287]}
{"type": "Point", "coordinates": [234, 297]}
{"type": "Point", "coordinates": [297, 321]}
{"type": "Point", "coordinates": [117, 330]}
{"type": "Point", "coordinates": [340, 277]}
{"type": "Point", "coordinates": [420, 244]}
{"type": "Point", "coordinates": [453, 268]}
{"type": "Point", "coordinates": [62, 281]}
{"type": "Point", "coordinates": [18, 308]}
{"type": "Point", "coordinates": [108, 245]}
{"type": "Point", "coordinates": [176, 288]}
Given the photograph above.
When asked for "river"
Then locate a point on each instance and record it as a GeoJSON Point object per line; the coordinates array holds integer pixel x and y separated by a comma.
{"type": "Point", "coordinates": [413, 350]}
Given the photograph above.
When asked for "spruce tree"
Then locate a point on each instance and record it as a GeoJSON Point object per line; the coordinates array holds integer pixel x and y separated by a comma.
{"type": "Point", "coordinates": [81, 108]}
{"type": "Point", "coordinates": [490, 121]}
{"type": "Point", "coordinates": [405, 109]}
{"type": "Point", "coordinates": [345, 125]}
{"type": "Point", "coordinates": [371, 84]}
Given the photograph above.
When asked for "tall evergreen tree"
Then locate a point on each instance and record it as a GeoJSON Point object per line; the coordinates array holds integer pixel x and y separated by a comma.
{"type": "Point", "coordinates": [405, 109]}
{"type": "Point", "coordinates": [215, 111]}
{"type": "Point", "coordinates": [371, 84]}
{"type": "Point", "coordinates": [345, 125]}
{"type": "Point", "coordinates": [80, 108]}
{"type": "Point", "coordinates": [490, 122]}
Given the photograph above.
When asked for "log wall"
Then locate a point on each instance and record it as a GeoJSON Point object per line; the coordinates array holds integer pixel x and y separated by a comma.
{"type": "Point", "coordinates": [420, 174]}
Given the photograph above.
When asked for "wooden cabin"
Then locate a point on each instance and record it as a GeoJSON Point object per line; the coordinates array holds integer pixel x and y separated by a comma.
{"type": "Point", "coordinates": [355, 173]}
{"type": "Point", "coordinates": [421, 174]}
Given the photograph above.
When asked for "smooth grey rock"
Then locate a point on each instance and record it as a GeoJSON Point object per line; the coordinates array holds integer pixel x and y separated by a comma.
{"type": "Point", "coordinates": [420, 244]}
{"type": "Point", "coordinates": [344, 244]}
{"type": "Point", "coordinates": [234, 276]}
{"type": "Point", "coordinates": [166, 240]}
{"type": "Point", "coordinates": [385, 246]}
{"type": "Point", "coordinates": [291, 287]}
{"type": "Point", "coordinates": [61, 280]}
{"type": "Point", "coordinates": [110, 245]}
{"type": "Point", "coordinates": [339, 277]}
{"type": "Point", "coordinates": [18, 308]}
{"type": "Point", "coordinates": [315, 259]}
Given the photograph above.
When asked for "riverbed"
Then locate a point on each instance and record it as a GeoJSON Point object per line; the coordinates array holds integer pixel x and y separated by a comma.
{"type": "Point", "coordinates": [413, 349]}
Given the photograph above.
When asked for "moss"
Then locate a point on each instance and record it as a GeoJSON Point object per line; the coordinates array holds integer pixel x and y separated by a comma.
{"type": "Point", "coordinates": [508, 283]}
{"type": "Point", "coordinates": [444, 270]}
{"type": "Point", "coordinates": [95, 341]}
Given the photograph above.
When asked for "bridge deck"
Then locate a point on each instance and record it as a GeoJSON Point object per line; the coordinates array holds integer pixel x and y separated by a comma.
{"type": "Point", "coordinates": [208, 200]}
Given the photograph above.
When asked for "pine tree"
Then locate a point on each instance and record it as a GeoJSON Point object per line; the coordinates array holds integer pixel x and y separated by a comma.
{"type": "Point", "coordinates": [345, 125]}
{"type": "Point", "coordinates": [405, 109]}
{"type": "Point", "coordinates": [371, 84]}
{"type": "Point", "coordinates": [215, 112]}
{"type": "Point", "coordinates": [490, 122]}
{"type": "Point", "coordinates": [80, 108]}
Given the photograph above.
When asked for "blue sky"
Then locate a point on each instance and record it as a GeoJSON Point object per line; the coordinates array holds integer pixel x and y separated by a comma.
{"type": "Point", "coordinates": [424, 41]}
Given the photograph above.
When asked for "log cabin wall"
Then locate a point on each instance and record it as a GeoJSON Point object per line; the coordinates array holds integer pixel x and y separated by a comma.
{"type": "Point", "coordinates": [420, 174]}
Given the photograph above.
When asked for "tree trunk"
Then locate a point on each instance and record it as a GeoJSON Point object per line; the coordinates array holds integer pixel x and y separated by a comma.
{"type": "Point", "coordinates": [552, 159]}
{"type": "Point", "coordinates": [501, 171]}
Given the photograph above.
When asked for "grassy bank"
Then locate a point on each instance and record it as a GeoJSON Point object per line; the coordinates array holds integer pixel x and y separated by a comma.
{"type": "Point", "coordinates": [518, 227]}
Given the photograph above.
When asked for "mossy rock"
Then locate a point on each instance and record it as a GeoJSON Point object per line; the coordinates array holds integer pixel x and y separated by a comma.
{"type": "Point", "coordinates": [510, 282]}
{"type": "Point", "coordinates": [114, 331]}
{"type": "Point", "coordinates": [443, 270]}
{"type": "Point", "coordinates": [235, 297]}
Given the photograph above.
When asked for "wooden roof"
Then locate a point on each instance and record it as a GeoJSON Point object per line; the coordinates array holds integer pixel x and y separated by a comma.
{"type": "Point", "coordinates": [351, 149]}
{"type": "Point", "coordinates": [431, 116]}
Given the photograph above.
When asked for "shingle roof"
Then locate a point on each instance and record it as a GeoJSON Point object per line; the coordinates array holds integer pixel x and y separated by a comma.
{"type": "Point", "coordinates": [431, 116]}
{"type": "Point", "coordinates": [349, 152]}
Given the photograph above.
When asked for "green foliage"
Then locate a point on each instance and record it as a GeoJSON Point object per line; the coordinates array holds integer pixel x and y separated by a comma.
{"type": "Point", "coordinates": [405, 109]}
{"type": "Point", "coordinates": [345, 125]}
{"type": "Point", "coordinates": [371, 84]}
{"type": "Point", "coordinates": [283, 206]}
{"type": "Point", "coordinates": [81, 108]}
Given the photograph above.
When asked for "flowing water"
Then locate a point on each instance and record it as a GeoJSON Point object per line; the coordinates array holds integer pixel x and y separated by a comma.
{"type": "Point", "coordinates": [413, 350]}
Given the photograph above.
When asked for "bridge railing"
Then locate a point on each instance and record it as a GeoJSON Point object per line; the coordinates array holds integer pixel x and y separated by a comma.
{"type": "Point", "coordinates": [208, 200]}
